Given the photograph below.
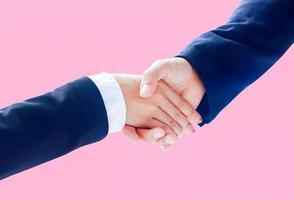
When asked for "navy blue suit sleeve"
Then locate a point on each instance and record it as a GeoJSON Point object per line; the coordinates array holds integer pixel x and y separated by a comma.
{"type": "Point", "coordinates": [51, 125]}
{"type": "Point", "coordinates": [232, 56]}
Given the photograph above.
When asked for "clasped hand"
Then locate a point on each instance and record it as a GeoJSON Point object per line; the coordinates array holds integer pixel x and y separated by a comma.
{"type": "Point", "coordinates": [161, 103]}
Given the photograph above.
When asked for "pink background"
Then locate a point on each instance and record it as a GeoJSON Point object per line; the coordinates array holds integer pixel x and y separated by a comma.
{"type": "Point", "coordinates": [246, 153]}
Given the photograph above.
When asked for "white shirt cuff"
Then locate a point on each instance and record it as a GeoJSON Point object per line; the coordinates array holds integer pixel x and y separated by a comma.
{"type": "Point", "coordinates": [113, 100]}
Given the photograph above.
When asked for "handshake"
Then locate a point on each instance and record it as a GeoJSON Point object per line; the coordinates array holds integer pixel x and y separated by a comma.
{"type": "Point", "coordinates": [160, 104]}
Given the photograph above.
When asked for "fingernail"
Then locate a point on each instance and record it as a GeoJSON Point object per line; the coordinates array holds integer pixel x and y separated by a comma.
{"type": "Point", "coordinates": [158, 134]}
{"type": "Point", "coordinates": [170, 139]}
{"type": "Point", "coordinates": [196, 120]}
{"type": "Point", "coordinates": [146, 89]}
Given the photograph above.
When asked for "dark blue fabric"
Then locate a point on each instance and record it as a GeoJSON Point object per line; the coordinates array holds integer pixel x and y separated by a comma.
{"type": "Point", "coordinates": [232, 56]}
{"type": "Point", "coordinates": [48, 126]}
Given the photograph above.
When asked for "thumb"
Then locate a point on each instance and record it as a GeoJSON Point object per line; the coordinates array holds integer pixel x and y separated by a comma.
{"type": "Point", "coordinates": [148, 84]}
{"type": "Point", "coordinates": [157, 71]}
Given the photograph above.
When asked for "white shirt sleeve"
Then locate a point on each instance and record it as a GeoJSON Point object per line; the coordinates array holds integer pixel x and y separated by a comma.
{"type": "Point", "coordinates": [113, 100]}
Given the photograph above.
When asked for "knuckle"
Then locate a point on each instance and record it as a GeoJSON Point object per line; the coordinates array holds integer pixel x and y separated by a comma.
{"type": "Point", "coordinates": [191, 114]}
{"type": "Point", "coordinates": [181, 119]}
{"type": "Point", "coordinates": [186, 123]}
{"type": "Point", "coordinates": [180, 104]}
{"type": "Point", "coordinates": [148, 73]}
{"type": "Point", "coordinates": [159, 62]}
{"type": "Point", "coordinates": [178, 116]}
{"type": "Point", "coordinates": [172, 124]}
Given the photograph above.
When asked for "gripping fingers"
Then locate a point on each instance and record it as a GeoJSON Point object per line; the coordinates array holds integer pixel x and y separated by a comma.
{"type": "Point", "coordinates": [157, 130]}
{"type": "Point", "coordinates": [180, 103]}
{"type": "Point", "coordinates": [177, 115]}
{"type": "Point", "coordinates": [170, 122]}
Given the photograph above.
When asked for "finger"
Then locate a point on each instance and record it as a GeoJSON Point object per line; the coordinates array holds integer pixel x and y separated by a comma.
{"type": "Point", "coordinates": [146, 134]}
{"type": "Point", "coordinates": [177, 115]}
{"type": "Point", "coordinates": [131, 134]}
{"type": "Point", "coordinates": [163, 142]}
{"type": "Point", "coordinates": [158, 70]}
{"type": "Point", "coordinates": [170, 122]}
{"type": "Point", "coordinates": [180, 103]}
{"type": "Point", "coordinates": [168, 139]}
{"type": "Point", "coordinates": [156, 131]}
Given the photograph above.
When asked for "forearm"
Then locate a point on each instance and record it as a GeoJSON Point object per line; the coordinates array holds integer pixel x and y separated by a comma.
{"type": "Point", "coordinates": [48, 126]}
{"type": "Point", "coordinates": [234, 55]}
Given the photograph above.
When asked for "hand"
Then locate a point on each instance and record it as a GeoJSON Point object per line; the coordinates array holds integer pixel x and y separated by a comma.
{"type": "Point", "coordinates": [157, 111]}
{"type": "Point", "coordinates": [181, 77]}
